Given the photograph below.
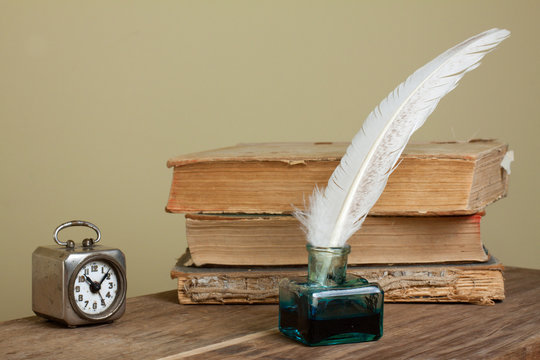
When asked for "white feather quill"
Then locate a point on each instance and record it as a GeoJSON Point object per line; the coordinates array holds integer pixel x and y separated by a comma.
{"type": "Point", "coordinates": [337, 212]}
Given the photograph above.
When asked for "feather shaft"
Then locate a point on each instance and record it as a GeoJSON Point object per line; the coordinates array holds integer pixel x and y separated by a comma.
{"type": "Point", "coordinates": [336, 212]}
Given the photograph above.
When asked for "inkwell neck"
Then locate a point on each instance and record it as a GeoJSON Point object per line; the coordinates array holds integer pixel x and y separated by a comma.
{"type": "Point", "coordinates": [327, 266]}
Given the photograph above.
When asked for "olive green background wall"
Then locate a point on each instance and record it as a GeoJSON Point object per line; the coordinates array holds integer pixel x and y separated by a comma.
{"type": "Point", "coordinates": [96, 96]}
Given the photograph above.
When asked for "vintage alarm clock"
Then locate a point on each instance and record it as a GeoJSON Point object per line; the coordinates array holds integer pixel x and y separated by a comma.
{"type": "Point", "coordinates": [78, 284]}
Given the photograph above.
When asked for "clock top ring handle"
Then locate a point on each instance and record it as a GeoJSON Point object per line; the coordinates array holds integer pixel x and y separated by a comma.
{"type": "Point", "coordinates": [75, 223]}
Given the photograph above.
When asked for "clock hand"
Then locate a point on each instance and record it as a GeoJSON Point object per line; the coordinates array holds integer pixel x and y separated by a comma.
{"type": "Point", "coordinates": [104, 277]}
{"type": "Point", "coordinates": [102, 299]}
{"type": "Point", "coordinates": [88, 280]}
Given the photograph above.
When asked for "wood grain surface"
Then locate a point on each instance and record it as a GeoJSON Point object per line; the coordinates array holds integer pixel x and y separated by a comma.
{"type": "Point", "coordinates": [156, 326]}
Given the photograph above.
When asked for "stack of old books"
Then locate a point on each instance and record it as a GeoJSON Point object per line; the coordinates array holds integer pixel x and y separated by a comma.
{"type": "Point", "coordinates": [421, 241]}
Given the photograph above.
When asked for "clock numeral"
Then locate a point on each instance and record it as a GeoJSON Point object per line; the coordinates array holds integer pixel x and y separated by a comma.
{"type": "Point", "coordinates": [81, 298]}
{"type": "Point", "coordinates": [94, 268]}
{"type": "Point", "coordinates": [77, 289]}
{"type": "Point", "coordinates": [86, 303]}
{"type": "Point", "coordinates": [111, 285]}
{"type": "Point", "coordinates": [81, 278]}
{"type": "Point", "coordinates": [109, 276]}
{"type": "Point", "coordinates": [108, 294]}
{"type": "Point", "coordinates": [94, 305]}
{"type": "Point", "coordinates": [86, 271]}
{"type": "Point", "coordinates": [103, 303]}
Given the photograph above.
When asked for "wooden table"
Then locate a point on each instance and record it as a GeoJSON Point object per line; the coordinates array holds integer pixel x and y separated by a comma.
{"type": "Point", "coordinates": [156, 326]}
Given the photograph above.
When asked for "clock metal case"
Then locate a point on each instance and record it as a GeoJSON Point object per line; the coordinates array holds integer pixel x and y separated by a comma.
{"type": "Point", "coordinates": [52, 285]}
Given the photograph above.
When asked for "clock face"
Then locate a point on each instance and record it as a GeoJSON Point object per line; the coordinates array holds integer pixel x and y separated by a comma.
{"type": "Point", "coordinates": [97, 288]}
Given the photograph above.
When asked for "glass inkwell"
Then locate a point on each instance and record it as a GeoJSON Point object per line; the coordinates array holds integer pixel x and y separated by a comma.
{"type": "Point", "coordinates": [330, 306]}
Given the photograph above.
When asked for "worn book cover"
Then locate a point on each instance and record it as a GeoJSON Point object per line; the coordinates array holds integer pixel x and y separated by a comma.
{"type": "Point", "coordinates": [273, 178]}
{"type": "Point", "coordinates": [278, 240]}
{"type": "Point", "coordinates": [477, 283]}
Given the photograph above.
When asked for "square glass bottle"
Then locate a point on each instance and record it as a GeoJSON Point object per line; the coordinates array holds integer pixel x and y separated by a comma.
{"type": "Point", "coordinates": [328, 306]}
